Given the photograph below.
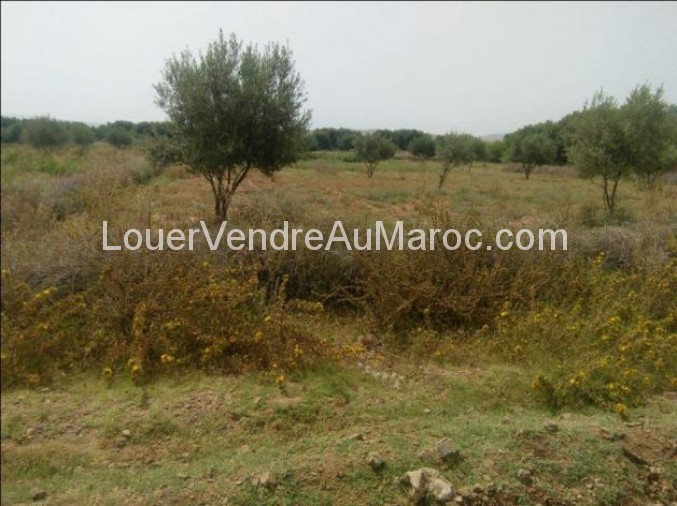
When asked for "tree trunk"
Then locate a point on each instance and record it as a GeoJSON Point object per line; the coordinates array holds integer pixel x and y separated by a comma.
{"type": "Point", "coordinates": [443, 176]}
{"type": "Point", "coordinates": [612, 205]}
{"type": "Point", "coordinates": [224, 186]}
{"type": "Point", "coordinates": [610, 196]}
{"type": "Point", "coordinates": [221, 207]}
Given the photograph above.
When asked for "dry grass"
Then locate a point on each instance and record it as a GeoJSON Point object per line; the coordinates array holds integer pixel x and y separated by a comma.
{"type": "Point", "coordinates": [52, 211]}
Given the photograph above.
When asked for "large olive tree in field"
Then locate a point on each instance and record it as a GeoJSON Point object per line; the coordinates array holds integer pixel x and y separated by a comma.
{"type": "Point", "coordinates": [611, 141]}
{"type": "Point", "coordinates": [235, 109]}
{"type": "Point", "coordinates": [599, 147]}
{"type": "Point", "coordinates": [651, 134]}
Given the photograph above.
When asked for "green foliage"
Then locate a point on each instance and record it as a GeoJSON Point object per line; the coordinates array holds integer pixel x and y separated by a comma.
{"type": "Point", "coordinates": [611, 141]}
{"type": "Point", "coordinates": [45, 133]}
{"type": "Point", "coordinates": [78, 133]}
{"type": "Point", "coordinates": [347, 140]}
{"type": "Point", "coordinates": [422, 147]}
{"type": "Point", "coordinates": [480, 149]}
{"type": "Point", "coordinates": [612, 346]}
{"type": "Point", "coordinates": [6, 121]}
{"type": "Point", "coordinates": [373, 149]}
{"type": "Point", "coordinates": [495, 151]}
{"type": "Point", "coordinates": [531, 151]}
{"type": "Point", "coordinates": [332, 139]}
{"type": "Point", "coordinates": [173, 314]}
{"type": "Point", "coordinates": [234, 108]}
{"type": "Point", "coordinates": [650, 134]}
{"type": "Point", "coordinates": [162, 152]}
{"type": "Point", "coordinates": [142, 130]}
{"type": "Point", "coordinates": [557, 132]}
{"type": "Point", "coordinates": [599, 147]}
{"type": "Point", "coordinates": [82, 135]}
{"type": "Point", "coordinates": [456, 150]}
{"type": "Point", "coordinates": [153, 129]}
{"type": "Point", "coordinates": [401, 137]}
{"type": "Point", "coordinates": [119, 137]}
{"type": "Point", "coordinates": [11, 130]}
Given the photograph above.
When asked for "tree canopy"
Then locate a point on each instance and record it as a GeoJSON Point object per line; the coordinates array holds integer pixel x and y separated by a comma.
{"type": "Point", "coordinates": [531, 150]}
{"type": "Point", "coordinates": [235, 109]}
{"type": "Point", "coordinates": [372, 149]}
{"type": "Point", "coordinates": [456, 150]}
{"type": "Point", "coordinates": [45, 133]}
{"type": "Point", "coordinates": [610, 141]}
{"type": "Point", "coordinates": [422, 147]}
{"type": "Point", "coordinates": [650, 133]}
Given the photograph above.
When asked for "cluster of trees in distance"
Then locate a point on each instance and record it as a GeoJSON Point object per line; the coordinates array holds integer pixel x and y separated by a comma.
{"type": "Point", "coordinates": [235, 108]}
{"type": "Point", "coordinates": [48, 133]}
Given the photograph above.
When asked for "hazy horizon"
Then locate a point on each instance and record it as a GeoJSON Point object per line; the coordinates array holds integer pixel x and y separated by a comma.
{"type": "Point", "coordinates": [484, 68]}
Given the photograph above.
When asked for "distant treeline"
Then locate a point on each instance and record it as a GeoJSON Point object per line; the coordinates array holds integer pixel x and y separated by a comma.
{"type": "Point", "coordinates": [509, 149]}
{"type": "Point", "coordinates": [417, 142]}
{"type": "Point", "coordinates": [46, 133]}
{"type": "Point", "coordinates": [541, 143]}
{"type": "Point", "coordinates": [49, 133]}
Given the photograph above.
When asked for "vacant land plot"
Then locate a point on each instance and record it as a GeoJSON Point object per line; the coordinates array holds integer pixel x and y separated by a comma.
{"type": "Point", "coordinates": [270, 377]}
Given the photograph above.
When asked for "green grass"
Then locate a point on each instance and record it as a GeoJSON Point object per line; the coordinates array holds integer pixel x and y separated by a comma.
{"type": "Point", "coordinates": [203, 438]}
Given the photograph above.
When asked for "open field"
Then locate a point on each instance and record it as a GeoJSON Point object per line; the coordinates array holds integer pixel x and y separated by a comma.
{"type": "Point", "coordinates": [384, 353]}
{"type": "Point", "coordinates": [205, 440]}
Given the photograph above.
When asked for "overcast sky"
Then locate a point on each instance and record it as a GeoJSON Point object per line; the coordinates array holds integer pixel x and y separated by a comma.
{"type": "Point", "coordinates": [477, 67]}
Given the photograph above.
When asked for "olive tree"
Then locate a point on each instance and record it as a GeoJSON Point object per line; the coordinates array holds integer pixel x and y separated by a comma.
{"type": "Point", "coordinates": [45, 133]}
{"type": "Point", "coordinates": [234, 109]}
{"type": "Point", "coordinates": [12, 133]}
{"type": "Point", "coordinates": [422, 147]}
{"type": "Point", "coordinates": [599, 147]}
{"type": "Point", "coordinates": [650, 134]}
{"type": "Point", "coordinates": [455, 150]}
{"type": "Point", "coordinates": [119, 137]}
{"type": "Point", "coordinates": [495, 151]}
{"type": "Point", "coordinates": [83, 136]}
{"type": "Point", "coordinates": [162, 152]}
{"type": "Point", "coordinates": [611, 141]}
{"type": "Point", "coordinates": [372, 149]}
{"type": "Point", "coordinates": [531, 151]}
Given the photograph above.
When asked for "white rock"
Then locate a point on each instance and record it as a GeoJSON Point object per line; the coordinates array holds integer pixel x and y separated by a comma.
{"type": "Point", "coordinates": [441, 490]}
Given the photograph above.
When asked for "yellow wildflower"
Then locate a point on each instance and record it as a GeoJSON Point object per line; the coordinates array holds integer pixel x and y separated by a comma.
{"type": "Point", "coordinates": [621, 409]}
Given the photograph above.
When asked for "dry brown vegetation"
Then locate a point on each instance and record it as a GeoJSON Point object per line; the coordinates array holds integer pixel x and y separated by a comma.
{"type": "Point", "coordinates": [594, 326]}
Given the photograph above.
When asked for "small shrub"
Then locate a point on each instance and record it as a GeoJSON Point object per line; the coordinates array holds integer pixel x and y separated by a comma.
{"type": "Point", "coordinates": [612, 346]}
{"type": "Point", "coordinates": [12, 133]}
{"type": "Point", "coordinates": [119, 137]}
{"type": "Point", "coordinates": [45, 133]}
{"type": "Point", "coordinates": [162, 153]}
{"type": "Point", "coordinates": [64, 197]}
{"type": "Point", "coordinates": [213, 318]}
{"type": "Point", "coordinates": [83, 136]}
